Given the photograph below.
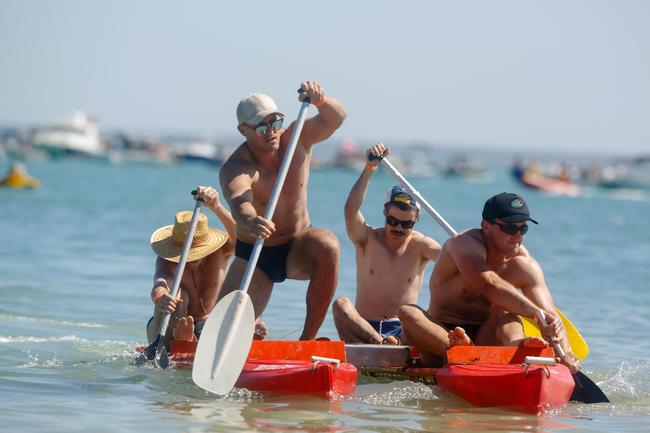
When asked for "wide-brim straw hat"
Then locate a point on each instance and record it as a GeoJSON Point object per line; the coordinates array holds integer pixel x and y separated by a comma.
{"type": "Point", "coordinates": [168, 241]}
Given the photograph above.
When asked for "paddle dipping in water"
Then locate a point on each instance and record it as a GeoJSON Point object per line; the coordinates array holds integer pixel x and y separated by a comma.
{"type": "Point", "coordinates": [513, 209]}
{"type": "Point", "coordinates": [190, 267]}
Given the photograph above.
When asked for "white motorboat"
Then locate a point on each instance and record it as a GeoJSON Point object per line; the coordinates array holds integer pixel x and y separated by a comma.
{"type": "Point", "coordinates": [77, 135]}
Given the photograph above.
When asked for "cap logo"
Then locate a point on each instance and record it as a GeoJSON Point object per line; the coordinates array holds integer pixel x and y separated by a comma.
{"type": "Point", "coordinates": [517, 203]}
{"type": "Point", "coordinates": [402, 199]}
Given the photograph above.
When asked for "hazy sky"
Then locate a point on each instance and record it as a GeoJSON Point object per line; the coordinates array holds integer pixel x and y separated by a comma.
{"type": "Point", "coordinates": [569, 75]}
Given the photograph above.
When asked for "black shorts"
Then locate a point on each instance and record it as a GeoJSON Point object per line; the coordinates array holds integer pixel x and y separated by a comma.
{"type": "Point", "coordinates": [272, 260]}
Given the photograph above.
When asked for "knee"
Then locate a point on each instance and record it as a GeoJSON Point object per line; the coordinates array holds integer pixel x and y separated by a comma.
{"type": "Point", "coordinates": [407, 314]}
{"type": "Point", "coordinates": [326, 245]}
{"type": "Point", "coordinates": [340, 306]}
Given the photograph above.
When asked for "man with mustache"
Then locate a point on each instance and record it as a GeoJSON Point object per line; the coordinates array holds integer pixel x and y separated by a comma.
{"type": "Point", "coordinates": [390, 262]}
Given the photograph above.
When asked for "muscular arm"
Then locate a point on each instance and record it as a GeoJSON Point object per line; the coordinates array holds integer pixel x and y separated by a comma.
{"type": "Point", "coordinates": [470, 258]}
{"type": "Point", "coordinates": [431, 249]}
{"type": "Point", "coordinates": [163, 277]}
{"type": "Point", "coordinates": [329, 118]}
{"type": "Point", "coordinates": [210, 198]}
{"type": "Point", "coordinates": [536, 290]}
{"type": "Point", "coordinates": [228, 222]}
{"type": "Point", "coordinates": [535, 287]}
{"type": "Point", "coordinates": [355, 223]}
{"type": "Point", "coordinates": [236, 184]}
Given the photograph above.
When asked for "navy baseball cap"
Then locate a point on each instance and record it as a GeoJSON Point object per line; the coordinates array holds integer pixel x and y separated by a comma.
{"type": "Point", "coordinates": [507, 207]}
{"type": "Point", "coordinates": [398, 196]}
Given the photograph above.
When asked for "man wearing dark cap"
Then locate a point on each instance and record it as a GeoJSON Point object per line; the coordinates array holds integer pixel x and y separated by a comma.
{"type": "Point", "coordinates": [390, 263]}
{"type": "Point", "coordinates": [292, 248]}
{"type": "Point", "coordinates": [483, 279]}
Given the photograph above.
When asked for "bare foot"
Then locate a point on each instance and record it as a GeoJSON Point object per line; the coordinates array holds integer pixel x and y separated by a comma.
{"type": "Point", "coordinates": [391, 340]}
{"type": "Point", "coordinates": [533, 342]}
{"type": "Point", "coordinates": [261, 330]}
{"type": "Point", "coordinates": [458, 337]}
{"type": "Point", "coordinates": [184, 330]}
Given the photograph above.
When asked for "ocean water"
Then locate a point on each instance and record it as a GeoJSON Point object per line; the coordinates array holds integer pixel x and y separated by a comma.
{"type": "Point", "coordinates": [75, 274]}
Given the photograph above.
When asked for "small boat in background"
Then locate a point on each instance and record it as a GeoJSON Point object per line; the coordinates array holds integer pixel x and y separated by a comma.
{"type": "Point", "coordinates": [349, 156]}
{"type": "Point", "coordinates": [18, 178]}
{"type": "Point", "coordinates": [195, 150]}
{"type": "Point", "coordinates": [462, 165]}
{"type": "Point", "coordinates": [75, 136]}
{"type": "Point", "coordinates": [532, 176]}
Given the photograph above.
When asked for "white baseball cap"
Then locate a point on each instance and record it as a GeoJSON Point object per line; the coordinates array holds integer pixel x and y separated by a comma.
{"type": "Point", "coordinates": [254, 107]}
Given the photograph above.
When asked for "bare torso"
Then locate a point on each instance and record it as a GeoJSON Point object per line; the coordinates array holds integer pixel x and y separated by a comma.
{"type": "Point", "coordinates": [453, 299]}
{"type": "Point", "coordinates": [387, 280]}
{"type": "Point", "coordinates": [201, 281]}
{"type": "Point", "coordinates": [290, 217]}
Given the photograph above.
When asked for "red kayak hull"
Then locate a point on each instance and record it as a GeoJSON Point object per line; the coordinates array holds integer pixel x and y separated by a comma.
{"type": "Point", "coordinates": [298, 377]}
{"type": "Point", "coordinates": [530, 388]}
{"type": "Point", "coordinates": [287, 367]}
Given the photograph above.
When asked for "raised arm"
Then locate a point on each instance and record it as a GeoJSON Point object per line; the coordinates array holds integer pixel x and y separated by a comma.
{"type": "Point", "coordinates": [470, 257]}
{"type": "Point", "coordinates": [210, 198]}
{"type": "Point", "coordinates": [331, 114]}
{"type": "Point", "coordinates": [355, 223]}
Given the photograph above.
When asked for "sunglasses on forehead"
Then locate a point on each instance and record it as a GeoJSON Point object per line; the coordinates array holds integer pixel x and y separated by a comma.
{"type": "Point", "coordinates": [511, 229]}
{"type": "Point", "coordinates": [392, 221]}
{"type": "Point", "coordinates": [262, 127]}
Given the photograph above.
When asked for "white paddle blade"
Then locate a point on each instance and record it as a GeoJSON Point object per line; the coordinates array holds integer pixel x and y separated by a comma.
{"type": "Point", "coordinates": [225, 341]}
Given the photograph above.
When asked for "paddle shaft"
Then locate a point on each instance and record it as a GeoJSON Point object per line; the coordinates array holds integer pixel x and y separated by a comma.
{"type": "Point", "coordinates": [187, 244]}
{"type": "Point", "coordinates": [558, 348]}
{"type": "Point", "coordinates": [430, 210]}
{"type": "Point", "coordinates": [257, 247]}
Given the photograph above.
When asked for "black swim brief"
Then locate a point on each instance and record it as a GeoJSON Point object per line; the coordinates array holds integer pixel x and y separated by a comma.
{"type": "Point", "coordinates": [272, 260]}
{"type": "Point", "coordinates": [471, 329]}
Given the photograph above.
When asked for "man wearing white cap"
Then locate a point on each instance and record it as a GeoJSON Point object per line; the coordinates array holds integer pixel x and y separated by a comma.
{"type": "Point", "coordinates": [206, 267]}
{"type": "Point", "coordinates": [390, 262]}
{"type": "Point", "coordinates": [292, 247]}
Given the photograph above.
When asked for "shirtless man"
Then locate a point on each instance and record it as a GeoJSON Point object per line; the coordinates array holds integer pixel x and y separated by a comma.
{"type": "Point", "coordinates": [205, 270]}
{"type": "Point", "coordinates": [292, 247]}
{"type": "Point", "coordinates": [390, 263]}
{"type": "Point", "coordinates": [482, 280]}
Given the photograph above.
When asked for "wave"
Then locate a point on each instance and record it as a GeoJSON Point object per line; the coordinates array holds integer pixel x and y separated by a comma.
{"type": "Point", "coordinates": [23, 340]}
{"type": "Point", "coordinates": [51, 321]}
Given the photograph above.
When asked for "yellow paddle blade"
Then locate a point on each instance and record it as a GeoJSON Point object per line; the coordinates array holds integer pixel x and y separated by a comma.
{"type": "Point", "coordinates": [578, 344]}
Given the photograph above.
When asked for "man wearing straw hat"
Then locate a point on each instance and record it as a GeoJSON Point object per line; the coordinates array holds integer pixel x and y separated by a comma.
{"type": "Point", "coordinates": [292, 247]}
{"type": "Point", "coordinates": [390, 262]}
{"type": "Point", "coordinates": [206, 267]}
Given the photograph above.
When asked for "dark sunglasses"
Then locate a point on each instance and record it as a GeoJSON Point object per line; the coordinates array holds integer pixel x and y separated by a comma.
{"type": "Point", "coordinates": [262, 127]}
{"type": "Point", "coordinates": [512, 229]}
{"type": "Point", "coordinates": [392, 221]}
